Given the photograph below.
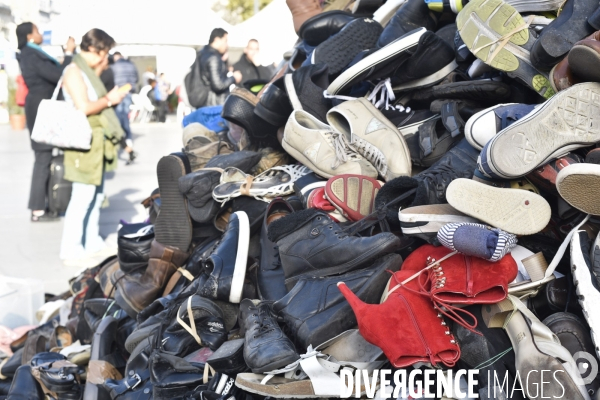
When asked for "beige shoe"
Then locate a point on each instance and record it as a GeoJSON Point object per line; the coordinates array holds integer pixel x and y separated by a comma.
{"type": "Point", "coordinates": [318, 147]}
{"type": "Point", "coordinates": [373, 136]}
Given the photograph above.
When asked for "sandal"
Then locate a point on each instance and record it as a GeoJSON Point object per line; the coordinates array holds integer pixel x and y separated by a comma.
{"type": "Point", "coordinates": [275, 182]}
{"type": "Point", "coordinates": [317, 373]}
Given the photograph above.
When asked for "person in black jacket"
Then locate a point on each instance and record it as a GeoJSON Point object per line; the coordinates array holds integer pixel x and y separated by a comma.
{"type": "Point", "coordinates": [214, 71]}
{"type": "Point", "coordinates": [248, 64]}
{"type": "Point", "coordinates": [41, 73]}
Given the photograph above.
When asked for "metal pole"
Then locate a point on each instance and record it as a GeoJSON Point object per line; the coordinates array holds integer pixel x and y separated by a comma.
{"type": "Point", "coordinates": [255, 7]}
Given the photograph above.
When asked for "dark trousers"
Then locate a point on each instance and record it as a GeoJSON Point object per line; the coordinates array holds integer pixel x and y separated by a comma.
{"type": "Point", "coordinates": [161, 110]}
{"type": "Point", "coordinates": [39, 179]}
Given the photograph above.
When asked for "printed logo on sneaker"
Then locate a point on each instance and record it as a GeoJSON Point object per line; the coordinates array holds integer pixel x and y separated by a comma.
{"type": "Point", "coordinates": [312, 151]}
{"type": "Point", "coordinates": [374, 125]}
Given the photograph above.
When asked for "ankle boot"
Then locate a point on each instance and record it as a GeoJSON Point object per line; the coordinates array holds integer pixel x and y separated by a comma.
{"type": "Point", "coordinates": [406, 326]}
{"type": "Point", "coordinates": [461, 279]}
{"type": "Point", "coordinates": [134, 294]}
{"type": "Point", "coordinates": [311, 244]}
{"type": "Point", "coordinates": [303, 10]}
{"type": "Point", "coordinates": [25, 386]}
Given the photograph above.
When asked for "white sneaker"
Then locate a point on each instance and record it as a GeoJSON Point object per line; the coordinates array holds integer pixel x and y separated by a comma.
{"type": "Point", "coordinates": [324, 151]}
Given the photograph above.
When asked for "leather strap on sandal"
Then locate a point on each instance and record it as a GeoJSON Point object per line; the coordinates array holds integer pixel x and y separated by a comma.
{"type": "Point", "coordinates": [246, 186]}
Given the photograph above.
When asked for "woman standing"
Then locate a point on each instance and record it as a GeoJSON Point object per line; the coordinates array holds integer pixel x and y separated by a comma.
{"type": "Point", "coordinates": [82, 87]}
{"type": "Point", "coordinates": [41, 73]}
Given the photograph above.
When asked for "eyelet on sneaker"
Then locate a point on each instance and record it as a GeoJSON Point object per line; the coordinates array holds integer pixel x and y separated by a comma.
{"type": "Point", "coordinates": [318, 218]}
{"type": "Point", "coordinates": [443, 323]}
{"type": "Point", "coordinates": [330, 227]}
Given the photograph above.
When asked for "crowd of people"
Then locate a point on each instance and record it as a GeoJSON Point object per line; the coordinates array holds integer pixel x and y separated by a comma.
{"type": "Point", "coordinates": [399, 195]}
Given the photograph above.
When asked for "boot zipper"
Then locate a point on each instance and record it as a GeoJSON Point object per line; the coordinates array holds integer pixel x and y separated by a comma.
{"type": "Point", "coordinates": [469, 277]}
{"type": "Point", "coordinates": [412, 316]}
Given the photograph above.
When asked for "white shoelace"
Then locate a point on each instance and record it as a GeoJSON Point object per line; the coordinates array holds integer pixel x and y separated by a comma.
{"type": "Point", "coordinates": [342, 148]}
{"type": "Point", "coordinates": [370, 153]}
{"type": "Point", "coordinates": [381, 95]}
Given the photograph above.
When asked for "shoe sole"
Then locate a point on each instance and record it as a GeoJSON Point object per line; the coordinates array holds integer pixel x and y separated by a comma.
{"type": "Point", "coordinates": [578, 184]}
{"type": "Point", "coordinates": [516, 211]}
{"type": "Point", "coordinates": [352, 195]}
{"type": "Point", "coordinates": [339, 50]}
{"type": "Point", "coordinates": [173, 225]}
{"type": "Point", "coordinates": [241, 259]}
{"type": "Point", "coordinates": [568, 121]}
{"type": "Point", "coordinates": [485, 21]}
{"type": "Point", "coordinates": [585, 63]}
{"type": "Point", "coordinates": [427, 81]}
{"type": "Point", "coordinates": [391, 51]}
{"type": "Point", "coordinates": [426, 226]}
{"type": "Point", "coordinates": [589, 297]}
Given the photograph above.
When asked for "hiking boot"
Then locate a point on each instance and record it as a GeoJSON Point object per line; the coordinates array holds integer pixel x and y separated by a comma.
{"type": "Point", "coordinates": [303, 10]}
{"type": "Point", "coordinates": [517, 211]}
{"type": "Point", "coordinates": [320, 148]}
{"type": "Point", "coordinates": [429, 186]}
{"type": "Point", "coordinates": [266, 347]}
{"type": "Point", "coordinates": [482, 23]}
{"type": "Point", "coordinates": [314, 311]}
{"type": "Point", "coordinates": [530, 142]}
{"type": "Point", "coordinates": [556, 39]}
{"type": "Point", "coordinates": [429, 63]}
{"type": "Point", "coordinates": [226, 266]}
{"type": "Point", "coordinates": [173, 225]}
{"type": "Point", "coordinates": [340, 49]}
{"type": "Point", "coordinates": [274, 105]}
{"type": "Point", "coordinates": [352, 195]}
{"type": "Point", "coordinates": [377, 63]}
{"type": "Point", "coordinates": [412, 15]}
{"type": "Point", "coordinates": [239, 109]}
{"type": "Point", "coordinates": [270, 276]}
{"type": "Point", "coordinates": [584, 58]}
{"type": "Point", "coordinates": [309, 243]}
{"type": "Point", "coordinates": [425, 221]}
{"type": "Point", "coordinates": [321, 27]}
{"type": "Point", "coordinates": [484, 125]}
{"type": "Point", "coordinates": [200, 150]}
{"type": "Point", "coordinates": [577, 184]}
{"type": "Point", "coordinates": [373, 136]}
{"type": "Point", "coordinates": [586, 283]}
{"type": "Point", "coordinates": [305, 88]}
{"type": "Point", "coordinates": [136, 292]}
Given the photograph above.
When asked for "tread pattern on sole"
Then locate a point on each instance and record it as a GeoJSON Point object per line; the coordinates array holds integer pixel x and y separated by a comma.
{"type": "Point", "coordinates": [580, 191]}
{"type": "Point", "coordinates": [173, 225]}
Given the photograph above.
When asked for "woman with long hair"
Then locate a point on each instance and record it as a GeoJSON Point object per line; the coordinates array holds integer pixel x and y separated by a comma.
{"type": "Point", "coordinates": [41, 73]}
{"type": "Point", "coordinates": [81, 244]}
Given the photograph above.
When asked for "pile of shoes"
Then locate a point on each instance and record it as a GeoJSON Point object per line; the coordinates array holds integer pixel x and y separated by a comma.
{"type": "Point", "coordinates": [400, 196]}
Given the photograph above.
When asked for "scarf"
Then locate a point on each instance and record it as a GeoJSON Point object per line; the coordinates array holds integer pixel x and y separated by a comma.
{"type": "Point", "coordinates": [38, 48]}
{"type": "Point", "coordinates": [108, 117]}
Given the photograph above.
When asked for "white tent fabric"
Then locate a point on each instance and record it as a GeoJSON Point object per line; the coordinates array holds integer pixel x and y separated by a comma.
{"type": "Point", "coordinates": [272, 27]}
{"type": "Point", "coordinates": [172, 22]}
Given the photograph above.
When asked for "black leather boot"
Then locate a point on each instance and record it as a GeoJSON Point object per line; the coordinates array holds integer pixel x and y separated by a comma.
{"type": "Point", "coordinates": [316, 311]}
{"type": "Point", "coordinates": [172, 376]}
{"type": "Point", "coordinates": [24, 386]}
{"type": "Point", "coordinates": [311, 244]}
{"type": "Point", "coordinates": [266, 347]}
{"type": "Point", "coordinates": [136, 384]}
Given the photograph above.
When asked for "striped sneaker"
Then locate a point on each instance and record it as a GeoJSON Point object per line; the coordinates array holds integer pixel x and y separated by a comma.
{"type": "Point", "coordinates": [477, 240]}
{"type": "Point", "coordinates": [424, 222]}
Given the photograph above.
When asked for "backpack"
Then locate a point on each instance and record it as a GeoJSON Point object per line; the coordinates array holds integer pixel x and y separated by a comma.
{"type": "Point", "coordinates": [197, 90]}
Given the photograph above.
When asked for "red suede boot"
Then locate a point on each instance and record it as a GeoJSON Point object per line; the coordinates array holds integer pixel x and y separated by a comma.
{"type": "Point", "coordinates": [407, 327]}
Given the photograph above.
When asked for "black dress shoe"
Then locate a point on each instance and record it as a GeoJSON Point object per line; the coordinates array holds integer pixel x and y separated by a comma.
{"type": "Point", "coordinates": [25, 386]}
{"type": "Point", "coordinates": [270, 277]}
{"type": "Point", "coordinates": [274, 105]}
{"type": "Point", "coordinates": [574, 335]}
{"type": "Point", "coordinates": [226, 266]}
{"type": "Point", "coordinates": [411, 15]}
{"type": "Point", "coordinates": [319, 28]}
{"type": "Point", "coordinates": [136, 384]}
{"type": "Point", "coordinates": [229, 358]}
{"type": "Point", "coordinates": [316, 311]}
{"type": "Point", "coordinates": [172, 376]}
{"type": "Point", "coordinates": [266, 347]}
{"type": "Point", "coordinates": [311, 244]}
{"type": "Point", "coordinates": [134, 242]}
{"type": "Point", "coordinates": [239, 109]}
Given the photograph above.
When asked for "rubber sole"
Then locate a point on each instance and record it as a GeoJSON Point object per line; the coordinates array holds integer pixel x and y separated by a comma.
{"type": "Point", "coordinates": [416, 221]}
{"type": "Point", "coordinates": [427, 80]}
{"type": "Point", "coordinates": [579, 184]}
{"type": "Point", "coordinates": [585, 63]}
{"type": "Point", "coordinates": [484, 23]}
{"type": "Point", "coordinates": [569, 120]}
{"type": "Point", "coordinates": [339, 50]}
{"type": "Point", "coordinates": [173, 225]}
{"type": "Point", "coordinates": [353, 195]}
{"type": "Point", "coordinates": [241, 259]}
{"type": "Point", "coordinates": [516, 211]}
{"type": "Point", "coordinates": [390, 53]}
{"type": "Point", "coordinates": [589, 297]}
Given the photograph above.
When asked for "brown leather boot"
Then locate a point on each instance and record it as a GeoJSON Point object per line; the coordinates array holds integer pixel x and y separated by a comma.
{"type": "Point", "coordinates": [135, 292]}
{"type": "Point", "coordinates": [584, 58]}
{"type": "Point", "coordinates": [303, 10]}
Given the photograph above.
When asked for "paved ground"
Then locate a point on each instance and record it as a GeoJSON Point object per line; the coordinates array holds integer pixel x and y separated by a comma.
{"type": "Point", "coordinates": [31, 249]}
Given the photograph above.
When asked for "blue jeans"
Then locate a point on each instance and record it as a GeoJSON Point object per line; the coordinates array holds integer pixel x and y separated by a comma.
{"type": "Point", "coordinates": [81, 230]}
{"type": "Point", "coordinates": [122, 111]}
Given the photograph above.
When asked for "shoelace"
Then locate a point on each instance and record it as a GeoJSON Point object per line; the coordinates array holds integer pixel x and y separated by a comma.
{"type": "Point", "coordinates": [343, 151]}
{"type": "Point", "coordinates": [263, 315]}
{"type": "Point", "coordinates": [440, 175]}
{"type": "Point", "coordinates": [383, 96]}
{"type": "Point", "coordinates": [370, 153]}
